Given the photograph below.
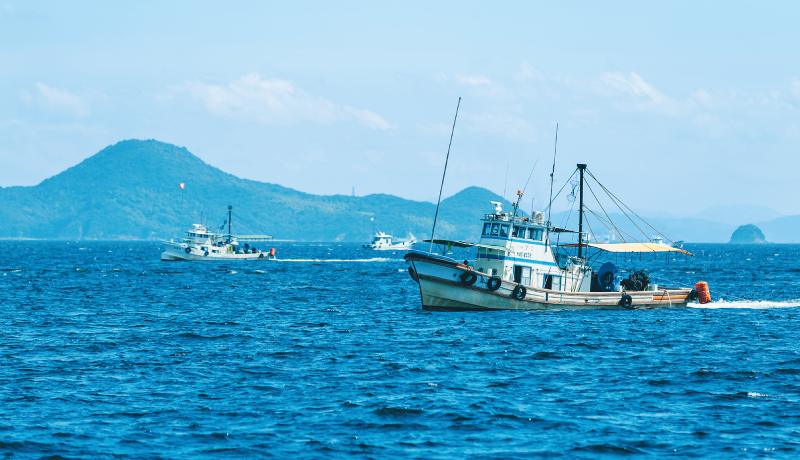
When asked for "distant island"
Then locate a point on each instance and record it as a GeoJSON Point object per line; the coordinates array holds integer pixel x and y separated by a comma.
{"type": "Point", "coordinates": [748, 234]}
{"type": "Point", "coordinates": [130, 191]}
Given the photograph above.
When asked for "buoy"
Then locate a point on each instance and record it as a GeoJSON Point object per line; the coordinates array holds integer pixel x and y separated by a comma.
{"type": "Point", "coordinates": [703, 294]}
{"type": "Point", "coordinates": [272, 252]}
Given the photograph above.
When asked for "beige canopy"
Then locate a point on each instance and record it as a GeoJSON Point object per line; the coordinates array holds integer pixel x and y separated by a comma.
{"type": "Point", "coordinates": [631, 247]}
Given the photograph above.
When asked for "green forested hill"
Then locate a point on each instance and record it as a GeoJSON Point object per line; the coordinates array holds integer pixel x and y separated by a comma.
{"type": "Point", "coordinates": [130, 191]}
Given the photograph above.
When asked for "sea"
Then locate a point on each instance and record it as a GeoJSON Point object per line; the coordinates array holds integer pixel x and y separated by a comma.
{"type": "Point", "coordinates": [107, 352]}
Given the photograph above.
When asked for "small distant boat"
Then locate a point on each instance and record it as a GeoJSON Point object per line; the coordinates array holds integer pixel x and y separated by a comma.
{"type": "Point", "coordinates": [383, 242]}
{"type": "Point", "coordinates": [659, 240]}
{"type": "Point", "coordinates": [204, 245]}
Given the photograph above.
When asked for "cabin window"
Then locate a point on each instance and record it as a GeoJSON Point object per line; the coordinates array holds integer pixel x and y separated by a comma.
{"type": "Point", "coordinates": [487, 228]}
{"type": "Point", "coordinates": [522, 275]}
{"type": "Point", "coordinates": [535, 234]}
{"type": "Point", "coordinates": [552, 282]}
{"type": "Point", "coordinates": [504, 231]}
{"type": "Point", "coordinates": [495, 229]}
{"type": "Point", "coordinates": [516, 232]}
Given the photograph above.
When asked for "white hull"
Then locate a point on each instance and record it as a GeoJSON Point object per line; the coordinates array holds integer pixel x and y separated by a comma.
{"type": "Point", "coordinates": [172, 253]}
{"type": "Point", "coordinates": [393, 247]}
{"type": "Point", "coordinates": [441, 289]}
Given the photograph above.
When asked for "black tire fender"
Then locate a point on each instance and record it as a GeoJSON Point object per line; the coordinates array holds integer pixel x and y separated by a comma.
{"type": "Point", "coordinates": [626, 301]}
{"type": "Point", "coordinates": [693, 295]}
{"type": "Point", "coordinates": [468, 278]}
{"type": "Point", "coordinates": [188, 250]}
{"type": "Point", "coordinates": [413, 274]}
{"type": "Point", "coordinates": [494, 283]}
{"type": "Point", "coordinates": [519, 292]}
{"type": "Point", "coordinates": [261, 256]}
{"type": "Point", "coordinates": [206, 254]}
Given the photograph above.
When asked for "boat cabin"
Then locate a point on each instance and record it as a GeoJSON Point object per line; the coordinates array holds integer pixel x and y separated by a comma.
{"type": "Point", "coordinates": [517, 249]}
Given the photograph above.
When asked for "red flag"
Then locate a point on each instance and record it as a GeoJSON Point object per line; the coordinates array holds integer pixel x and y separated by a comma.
{"type": "Point", "coordinates": [181, 185]}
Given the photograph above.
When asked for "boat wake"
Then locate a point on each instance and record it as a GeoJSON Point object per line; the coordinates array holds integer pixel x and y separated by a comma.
{"type": "Point", "coordinates": [752, 304]}
{"type": "Point", "coordinates": [376, 259]}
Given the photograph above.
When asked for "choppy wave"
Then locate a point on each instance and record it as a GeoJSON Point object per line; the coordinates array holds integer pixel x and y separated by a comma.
{"type": "Point", "coordinates": [375, 259]}
{"type": "Point", "coordinates": [330, 355]}
{"type": "Point", "coordinates": [754, 304]}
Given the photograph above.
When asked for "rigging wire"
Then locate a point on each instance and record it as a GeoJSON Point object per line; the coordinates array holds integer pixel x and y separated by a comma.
{"type": "Point", "coordinates": [604, 210]}
{"type": "Point", "coordinates": [600, 218]}
{"type": "Point", "coordinates": [631, 210]}
{"type": "Point", "coordinates": [613, 198]}
{"type": "Point", "coordinates": [433, 232]}
{"type": "Point", "coordinates": [559, 192]}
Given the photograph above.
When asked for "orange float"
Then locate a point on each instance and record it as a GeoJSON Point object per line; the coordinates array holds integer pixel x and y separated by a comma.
{"type": "Point", "coordinates": [703, 294]}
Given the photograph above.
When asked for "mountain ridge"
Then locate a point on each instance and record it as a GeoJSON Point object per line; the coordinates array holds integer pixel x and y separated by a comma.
{"type": "Point", "coordinates": [129, 190]}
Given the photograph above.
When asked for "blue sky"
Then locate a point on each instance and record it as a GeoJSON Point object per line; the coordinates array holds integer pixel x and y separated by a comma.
{"type": "Point", "coordinates": [675, 107]}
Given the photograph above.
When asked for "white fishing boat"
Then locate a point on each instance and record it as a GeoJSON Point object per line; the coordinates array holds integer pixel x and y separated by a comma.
{"type": "Point", "coordinates": [674, 244]}
{"type": "Point", "coordinates": [383, 242]}
{"type": "Point", "coordinates": [204, 245]}
{"type": "Point", "coordinates": [516, 268]}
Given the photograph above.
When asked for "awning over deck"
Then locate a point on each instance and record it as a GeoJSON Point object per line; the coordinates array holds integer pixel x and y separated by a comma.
{"type": "Point", "coordinates": [252, 237]}
{"type": "Point", "coordinates": [630, 247]}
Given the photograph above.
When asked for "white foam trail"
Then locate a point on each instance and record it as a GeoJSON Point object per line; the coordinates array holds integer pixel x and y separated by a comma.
{"type": "Point", "coordinates": [377, 259]}
{"type": "Point", "coordinates": [754, 304]}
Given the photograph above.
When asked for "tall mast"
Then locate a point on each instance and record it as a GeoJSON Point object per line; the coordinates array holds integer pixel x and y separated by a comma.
{"type": "Point", "coordinates": [580, 215]}
{"type": "Point", "coordinates": [230, 208]}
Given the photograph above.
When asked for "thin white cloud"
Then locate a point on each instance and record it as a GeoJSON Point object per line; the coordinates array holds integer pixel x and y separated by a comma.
{"type": "Point", "coordinates": [507, 125]}
{"type": "Point", "coordinates": [276, 101]}
{"type": "Point", "coordinates": [527, 73]}
{"type": "Point", "coordinates": [473, 80]}
{"type": "Point", "coordinates": [794, 86]}
{"type": "Point", "coordinates": [369, 119]}
{"type": "Point", "coordinates": [58, 100]}
{"type": "Point", "coordinates": [710, 123]}
{"type": "Point", "coordinates": [646, 96]}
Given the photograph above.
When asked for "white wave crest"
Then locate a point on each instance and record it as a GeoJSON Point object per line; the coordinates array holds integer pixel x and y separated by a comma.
{"type": "Point", "coordinates": [754, 304]}
{"type": "Point", "coordinates": [376, 259]}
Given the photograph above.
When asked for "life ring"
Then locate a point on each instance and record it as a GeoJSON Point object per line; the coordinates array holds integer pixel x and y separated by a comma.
{"type": "Point", "coordinates": [188, 250]}
{"type": "Point", "coordinates": [519, 292]}
{"type": "Point", "coordinates": [693, 295]}
{"type": "Point", "coordinates": [626, 301]}
{"type": "Point", "coordinates": [468, 278]}
{"type": "Point", "coordinates": [413, 274]}
{"type": "Point", "coordinates": [494, 283]}
{"type": "Point", "coordinates": [261, 256]}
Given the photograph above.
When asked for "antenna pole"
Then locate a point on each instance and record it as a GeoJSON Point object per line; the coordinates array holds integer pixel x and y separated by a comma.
{"type": "Point", "coordinates": [580, 215]}
{"type": "Point", "coordinates": [550, 204]}
{"type": "Point", "coordinates": [436, 216]}
{"type": "Point", "coordinates": [230, 223]}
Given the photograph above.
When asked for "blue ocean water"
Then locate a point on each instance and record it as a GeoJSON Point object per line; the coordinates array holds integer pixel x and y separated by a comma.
{"type": "Point", "coordinates": [326, 353]}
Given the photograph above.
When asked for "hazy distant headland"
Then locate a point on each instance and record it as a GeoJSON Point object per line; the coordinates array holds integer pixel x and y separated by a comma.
{"type": "Point", "coordinates": [130, 191]}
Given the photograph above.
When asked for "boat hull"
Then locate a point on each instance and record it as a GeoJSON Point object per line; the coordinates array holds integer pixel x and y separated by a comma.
{"type": "Point", "coordinates": [441, 290]}
{"type": "Point", "coordinates": [172, 254]}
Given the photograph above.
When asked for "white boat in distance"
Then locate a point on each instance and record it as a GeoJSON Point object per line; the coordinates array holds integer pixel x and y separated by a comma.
{"type": "Point", "coordinates": [204, 245]}
{"type": "Point", "coordinates": [383, 242]}
{"type": "Point", "coordinates": [515, 268]}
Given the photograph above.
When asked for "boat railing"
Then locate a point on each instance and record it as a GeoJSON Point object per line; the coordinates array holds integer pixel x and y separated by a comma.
{"type": "Point", "coordinates": [515, 219]}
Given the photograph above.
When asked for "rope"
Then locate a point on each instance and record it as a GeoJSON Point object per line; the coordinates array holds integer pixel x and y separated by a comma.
{"type": "Point", "coordinates": [614, 199]}
{"type": "Point", "coordinates": [604, 211]}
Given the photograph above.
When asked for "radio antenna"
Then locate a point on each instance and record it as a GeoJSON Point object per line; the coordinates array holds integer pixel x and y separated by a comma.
{"type": "Point", "coordinates": [555, 152]}
{"type": "Point", "coordinates": [519, 195]}
{"type": "Point", "coordinates": [433, 232]}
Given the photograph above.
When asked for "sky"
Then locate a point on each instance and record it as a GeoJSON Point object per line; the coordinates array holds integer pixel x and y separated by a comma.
{"type": "Point", "coordinates": [674, 107]}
